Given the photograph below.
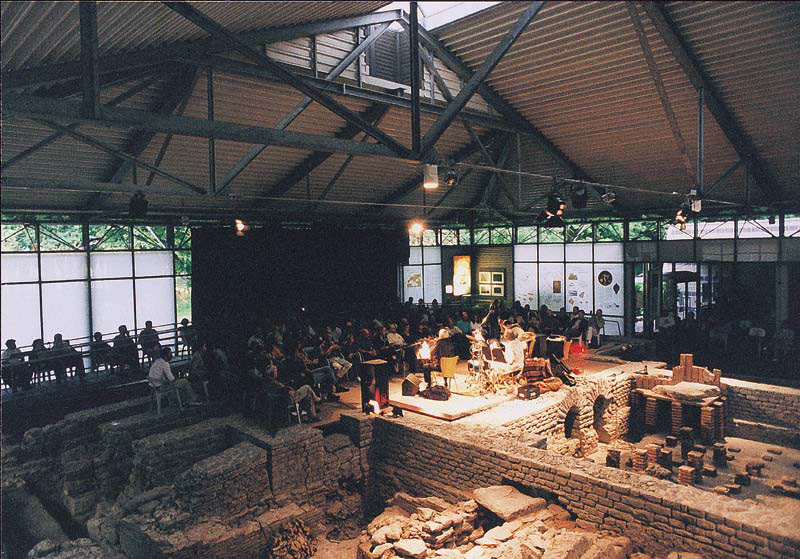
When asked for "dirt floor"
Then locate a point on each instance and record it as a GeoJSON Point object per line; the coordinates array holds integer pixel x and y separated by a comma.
{"type": "Point", "coordinates": [345, 549]}
{"type": "Point", "coordinates": [777, 466]}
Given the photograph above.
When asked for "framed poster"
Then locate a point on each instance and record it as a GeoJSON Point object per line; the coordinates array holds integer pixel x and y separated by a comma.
{"type": "Point", "coordinates": [498, 290]}
{"type": "Point", "coordinates": [485, 289]}
{"type": "Point", "coordinates": [556, 286]}
{"type": "Point", "coordinates": [498, 278]}
{"type": "Point", "coordinates": [484, 277]}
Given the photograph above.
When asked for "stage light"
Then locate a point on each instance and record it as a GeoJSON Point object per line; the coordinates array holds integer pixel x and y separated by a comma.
{"type": "Point", "coordinates": [137, 208]}
{"type": "Point", "coordinates": [431, 176]}
{"type": "Point", "coordinates": [451, 178]}
{"type": "Point", "coordinates": [580, 197]}
{"type": "Point", "coordinates": [416, 228]}
{"type": "Point", "coordinates": [555, 205]}
{"type": "Point", "coordinates": [240, 227]}
{"type": "Point", "coordinates": [609, 197]}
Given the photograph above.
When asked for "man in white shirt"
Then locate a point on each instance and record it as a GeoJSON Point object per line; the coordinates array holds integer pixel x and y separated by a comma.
{"type": "Point", "coordinates": [161, 374]}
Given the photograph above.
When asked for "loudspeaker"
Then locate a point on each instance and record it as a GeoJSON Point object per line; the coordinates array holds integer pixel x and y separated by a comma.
{"type": "Point", "coordinates": [411, 385]}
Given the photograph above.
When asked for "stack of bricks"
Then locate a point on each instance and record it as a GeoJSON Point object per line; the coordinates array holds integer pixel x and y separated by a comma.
{"type": "Point", "coordinates": [720, 455]}
{"type": "Point", "coordinates": [665, 458]}
{"type": "Point", "coordinates": [653, 453]}
{"type": "Point", "coordinates": [650, 412]}
{"type": "Point", "coordinates": [718, 418]}
{"type": "Point", "coordinates": [676, 416]}
{"type": "Point", "coordinates": [695, 460]}
{"type": "Point", "coordinates": [297, 464]}
{"type": "Point", "coordinates": [707, 424]}
{"type": "Point", "coordinates": [686, 438]}
{"type": "Point", "coordinates": [639, 459]}
{"type": "Point", "coordinates": [613, 458]}
{"type": "Point", "coordinates": [687, 475]}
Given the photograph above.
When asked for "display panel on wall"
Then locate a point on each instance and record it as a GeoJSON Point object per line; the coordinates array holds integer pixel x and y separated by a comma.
{"type": "Point", "coordinates": [609, 288]}
{"type": "Point", "coordinates": [462, 276]}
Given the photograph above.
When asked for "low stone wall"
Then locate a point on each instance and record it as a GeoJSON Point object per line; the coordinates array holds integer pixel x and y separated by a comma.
{"type": "Point", "coordinates": [763, 403]}
{"type": "Point", "coordinates": [227, 485]}
{"type": "Point", "coordinates": [413, 455]}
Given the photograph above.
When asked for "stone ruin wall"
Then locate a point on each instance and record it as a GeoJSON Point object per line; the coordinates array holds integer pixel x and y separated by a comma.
{"type": "Point", "coordinates": [611, 393]}
{"type": "Point", "coordinates": [657, 515]}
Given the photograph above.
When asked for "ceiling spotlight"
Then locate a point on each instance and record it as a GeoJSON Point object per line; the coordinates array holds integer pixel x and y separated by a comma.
{"type": "Point", "coordinates": [555, 205]}
{"type": "Point", "coordinates": [137, 208]}
{"type": "Point", "coordinates": [683, 214]}
{"type": "Point", "coordinates": [580, 197]}
{"type": "Point", "coordinates": [609, 197]}
{"type": "Point", "coordinates": [451, 179]}
{"type": "Point", "coordinates": [416, 228]}
{"type": "Point", "coordinates": [430, 176]}
{"type": "Point", "coordinates": [241, 227]}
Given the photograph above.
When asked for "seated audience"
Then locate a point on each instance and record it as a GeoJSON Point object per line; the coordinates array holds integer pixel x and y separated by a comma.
{"type": "Point", "coordinates": [333, 353]}
{"type": "Point", "coordinates": [125, 353]}
{"type": "Point", "coordinates": [161, 375]}
{"type": "Point", "coordinates": [577, 326]}
{"type": "Point", "coordinates": [149, 341]}
{"type": "Point", "coordinates": [186, 334]}
{"type": "Point", "coordinates": [596, 324]}
{"type": "Point", "coordinates": [101, 352]}
{"type": "Point", "coordinates": [303, 395]}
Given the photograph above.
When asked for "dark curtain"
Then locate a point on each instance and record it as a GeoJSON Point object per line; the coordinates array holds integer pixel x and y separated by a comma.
{"type": "Point", "coordinates": [327, 270]}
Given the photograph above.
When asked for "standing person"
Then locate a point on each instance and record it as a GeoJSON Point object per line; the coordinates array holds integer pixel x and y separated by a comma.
{"type": "Point", "coordinates": [491, 322]}
{"type": "Point", "coordinates": [149, 341]}
{"type": "Point", "coordinates": [125, 353]}
{"type": "Point", "coordinates": [161, 375]}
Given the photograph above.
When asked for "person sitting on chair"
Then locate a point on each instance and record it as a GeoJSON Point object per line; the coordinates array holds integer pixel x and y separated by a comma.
{"type": "Point", "coordinates": [149, 342]}
{"type": "Point", "coordinates": [596, 324]}
{"type": "Point", "coordinates": [161, 375]}
{"type": "Point", "coordinates": [302, 395]}
{"type": "Point", "coordinates": [101, 352]}
{"type": "Point", "coordinates": [125, 353]}
{"type": "Point", "coordinates": [74, 358]}
{"type": "Point", "coordinates": [577, 326]}
{"type": "Point", "coordinates": [59, 356]}
{"type": "Point", "coordinates": [333, 353]}
{"type": "Point", "coordinates": [198, 373]}
{"type": "Point", "coordinates": [187, 335]}
{"type": "Point", "coordinates": [39, 359]}
{"type": "Point", "coordinates": [441, 347]}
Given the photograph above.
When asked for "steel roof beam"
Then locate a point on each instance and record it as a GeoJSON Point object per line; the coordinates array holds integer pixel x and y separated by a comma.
{"type": "Point", "coordinates": [102, 146]}
{"type": "Point", "coordinates": [303, 105]}
{"type": "Point", "coordinates": [24, 154]}
{"type": "Point", "coordinates": [413, 43]}
{"type": "Point", "coordinates": [727, 121]}
{"type": "Point", "coordinates": [373, 114]}
{"type": "Point", "coordinates": [90, 83]}
{"type": "Point", "coordinates": [661, 90]}
{"type": "Point", "coordinates": [478, 77]}
{"type": "Point", "coordinates": [427, 59]}
{"type": "Point", "coordinates": [175, 90]}
{"type": "Point", "coordinates": [234, 43]}
{"type": "Point", "coordinates": [238, 67]}
{"type": "Point", "coordinates": [38, 107]}
{"type": "Point", "coordinates": [157, 55]}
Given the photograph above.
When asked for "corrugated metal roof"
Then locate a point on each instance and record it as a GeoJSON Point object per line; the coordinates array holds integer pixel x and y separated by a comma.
{"type": "Point", "coordinates": [578, 74]}
{"type": "Point", "coordinates": [45, 32]}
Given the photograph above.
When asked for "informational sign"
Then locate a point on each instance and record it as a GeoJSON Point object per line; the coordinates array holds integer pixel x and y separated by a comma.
{"type": "Point", "coordinates": [462, 276]}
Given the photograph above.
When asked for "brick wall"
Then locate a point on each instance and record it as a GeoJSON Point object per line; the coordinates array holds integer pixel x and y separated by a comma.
{"type": "Point", "coordinates": [450, 460]}
{"type": "Point", "coordinates": [762, 403]}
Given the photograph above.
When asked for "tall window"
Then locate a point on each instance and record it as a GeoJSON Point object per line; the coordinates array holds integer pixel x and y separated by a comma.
{"type": "Point", "coordinates": [77, 279]}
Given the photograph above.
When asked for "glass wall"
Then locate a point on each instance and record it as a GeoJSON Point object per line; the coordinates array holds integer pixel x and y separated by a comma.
{"type": "Point", "coordinates": [77, 279]}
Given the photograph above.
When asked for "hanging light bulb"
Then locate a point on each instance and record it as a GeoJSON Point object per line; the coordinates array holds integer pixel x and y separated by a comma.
{"type": "Point", "coordinates": [416, 228]}
{"type": "Point", "coordinates": [430, 176]}
{"type": "Point", "coordinates": [555, 205]}
{"type": "Point", "coordinates": [682, 215]}
{"type": "Point", "coordinates": [451, 178]}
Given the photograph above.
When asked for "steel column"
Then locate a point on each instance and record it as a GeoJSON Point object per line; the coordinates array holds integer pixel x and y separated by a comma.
{"type": "Point", "coordinates": [478, 77]}
{"type": "Point", "coordinates": [212, 145]}
{"type": "Point", "coordinates": [90, 85]}
{"type": "Point", "coordinates": [700, 140]}
{"type": "Point", "coordinates": [413, 42]}
{"type": "Point", "coordinates": [235, 43]}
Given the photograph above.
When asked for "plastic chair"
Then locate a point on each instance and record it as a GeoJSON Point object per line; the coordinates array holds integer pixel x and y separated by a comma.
{"type": "Point", "coordinates": [448, 366]}
{"type": "Point", "coordinates": [165, 390]}
{"type": "Point", "coordinates": [296, 411]}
